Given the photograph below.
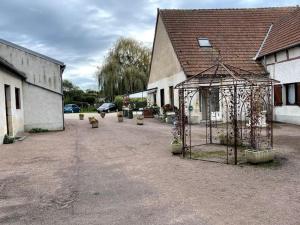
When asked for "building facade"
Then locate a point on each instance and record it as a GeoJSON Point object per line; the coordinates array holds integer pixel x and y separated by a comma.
{"type": "Point", "coordinates": [187, 42]}
{"type": "Point", "coordinates": [40, 90]}
{"type": "Point", "coordinates": [11, 100]}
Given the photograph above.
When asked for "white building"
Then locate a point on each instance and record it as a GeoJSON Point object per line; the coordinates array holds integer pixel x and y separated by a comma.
{"type": "Point", "coordinates": [187, 42]}
{"type": "Point", "coordinates": [280, 53]}
{"type": "Point", "coordinates": [31, 89]}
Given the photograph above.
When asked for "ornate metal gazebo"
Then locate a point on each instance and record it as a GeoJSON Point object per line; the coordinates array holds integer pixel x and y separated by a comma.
{"type": "Point", "coordinates": [245, 104]}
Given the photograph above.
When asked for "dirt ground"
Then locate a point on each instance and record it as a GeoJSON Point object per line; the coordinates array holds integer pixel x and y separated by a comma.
{"type": "Point", "coordinates": [122, 173]}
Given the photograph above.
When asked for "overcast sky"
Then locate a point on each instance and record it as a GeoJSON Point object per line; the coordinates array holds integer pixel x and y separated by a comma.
{"type": "Point", "coordinates": [79, 32]}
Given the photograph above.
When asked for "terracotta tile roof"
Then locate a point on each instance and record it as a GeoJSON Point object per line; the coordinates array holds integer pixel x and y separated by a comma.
{"type": "Point", "coordinates": [284, 33]}
{"type": "Point", "coordinates": [237, 33]}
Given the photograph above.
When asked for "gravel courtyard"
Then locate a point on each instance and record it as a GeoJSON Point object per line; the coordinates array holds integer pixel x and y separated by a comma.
{"type": "Point", "coordinates": [122, 173]}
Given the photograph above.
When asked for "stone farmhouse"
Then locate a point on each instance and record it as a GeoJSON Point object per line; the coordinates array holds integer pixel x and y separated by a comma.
{"type": "Point", "coordinates": [259, 40]}
{"type": "Point", "coordinates": [30, 90]}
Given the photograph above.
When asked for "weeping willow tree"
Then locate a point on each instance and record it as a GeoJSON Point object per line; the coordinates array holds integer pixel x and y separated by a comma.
{"type": "Point", "coordinates": [125, 68]}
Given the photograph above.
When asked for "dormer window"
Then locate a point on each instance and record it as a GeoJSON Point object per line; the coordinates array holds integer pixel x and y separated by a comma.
{"type": "Point", "coordinates": [204, 43]}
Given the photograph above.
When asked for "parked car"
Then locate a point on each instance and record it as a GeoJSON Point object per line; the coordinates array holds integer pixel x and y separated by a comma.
{"type": "Point", "coordinates": [71, 108]}
{"type": "Point", "coordinates": [107, 107]}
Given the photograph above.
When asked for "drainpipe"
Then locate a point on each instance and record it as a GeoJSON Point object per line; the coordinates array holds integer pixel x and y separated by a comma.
{"type": "Point", "coordinates": [62, 68]}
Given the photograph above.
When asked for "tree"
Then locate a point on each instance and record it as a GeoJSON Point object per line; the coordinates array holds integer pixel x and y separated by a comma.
{"type": "Point", "coordinates": [73, 94]}
{"type": "Point", "coordinates": [125, 68]}
{"type": "Point", "coordinates": [68, 85]}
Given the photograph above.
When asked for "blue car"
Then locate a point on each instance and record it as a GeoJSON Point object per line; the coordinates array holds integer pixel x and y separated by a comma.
{"type": "Point", "coordinates": [71, 108]}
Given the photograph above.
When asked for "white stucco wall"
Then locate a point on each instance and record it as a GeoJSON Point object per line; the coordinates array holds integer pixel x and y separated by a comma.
{"type": "Point", "coordinates": [42, 109]}
{"type": "Point", "coordinates": [165, 83]}
{"type": "Point", "coordinates": [165, 67]}
{"type": "Point", "coordinates": [39, 71]}
{"type": "Point", "coordinates": [17, 115]}
{"type": "Point", "coordinates": [286, 71]}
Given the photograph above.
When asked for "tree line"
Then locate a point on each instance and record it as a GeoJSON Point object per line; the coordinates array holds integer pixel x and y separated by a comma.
{"type": "Point", "coordinates": [74, 95]}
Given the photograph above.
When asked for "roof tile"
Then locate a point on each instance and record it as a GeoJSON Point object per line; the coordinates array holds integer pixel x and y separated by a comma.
{"type": "Point", "coordinates": [236, 33]}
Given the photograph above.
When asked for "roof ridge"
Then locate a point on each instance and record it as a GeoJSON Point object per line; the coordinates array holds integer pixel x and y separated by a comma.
{"type": "Point", "coordinates": [224, 9]}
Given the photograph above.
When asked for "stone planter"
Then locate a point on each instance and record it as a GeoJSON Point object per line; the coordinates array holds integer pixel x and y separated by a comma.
{"type": "Point", "coordinates": [81, 116]}
{"type": "Point", "coordinates": [102, 114]}
{"type": "Point", "coordinates": [176, 148]}
{"type": "Point", "coordinates": [262, 156]}
{"type": "Point", "coordinates": [95, 124]}
{"type": "Point", "coordinates": [139, 120]}
{"type": "Point", "coordinates": [90, 119]}
{"type": "Point", "coordinates": [170, 117]}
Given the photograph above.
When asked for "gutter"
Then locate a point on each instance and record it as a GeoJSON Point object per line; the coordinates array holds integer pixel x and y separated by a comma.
{"type": "Point", "coordinates": [62, 69]}
{"type": "Point", "coordinates": [263, 43]}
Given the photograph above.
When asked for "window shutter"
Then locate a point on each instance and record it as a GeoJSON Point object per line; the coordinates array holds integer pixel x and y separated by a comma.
{"type": "Point", "coordinates": [277, 95]}
{"type": "Point", "coordinates": [298, 94]}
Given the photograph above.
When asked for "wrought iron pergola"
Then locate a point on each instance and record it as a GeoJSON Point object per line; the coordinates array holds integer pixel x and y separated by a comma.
{"type": "Point", "coordinates": [245, 103]}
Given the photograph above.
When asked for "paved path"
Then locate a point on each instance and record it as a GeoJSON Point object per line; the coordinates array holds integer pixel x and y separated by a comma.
{"type": "Point", "coordinates": [122, 173]}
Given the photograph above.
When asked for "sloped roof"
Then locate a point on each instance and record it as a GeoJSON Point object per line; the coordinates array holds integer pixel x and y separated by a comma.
{"type": "Point", "coordinates": [11, 68]}
{"type": "Point", "coordinates": [31, 52]}
{"type": "Point", "coordinates": [236, 33]}
{"type": "Point", "coordinates": [283, 34]}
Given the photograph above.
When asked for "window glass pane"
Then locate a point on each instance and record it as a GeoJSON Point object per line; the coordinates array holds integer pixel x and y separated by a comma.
{"type": "Point", "coordinates": [17, 96]}
{"type": "Point", "coordinates": [204, 42]}
{"type": "Point", "coordinates": [291, 94]}
{"type": "Point", "coordinates": [215, 100]}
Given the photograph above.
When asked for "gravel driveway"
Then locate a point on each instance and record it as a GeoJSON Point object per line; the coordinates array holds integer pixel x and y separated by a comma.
{"type": "Point", "coordinates": [122, 173]}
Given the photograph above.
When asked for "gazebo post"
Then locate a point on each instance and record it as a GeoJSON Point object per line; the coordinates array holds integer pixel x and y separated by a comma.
{"type": "Point", "coordinates": [209, 116]}
{"type": "Point", "coordinates": [235, 122]}
{"type": "Point", "coordinates": [182, 119]}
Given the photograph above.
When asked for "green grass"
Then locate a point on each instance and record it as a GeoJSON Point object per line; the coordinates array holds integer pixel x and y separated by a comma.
{"type": "Point", "coordinates": [205, 155]}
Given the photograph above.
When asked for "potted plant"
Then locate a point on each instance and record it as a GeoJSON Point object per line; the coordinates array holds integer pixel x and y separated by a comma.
{"type": "Point", "coordinates": [176, 144]}
{"type": "Point", "coordinates": [94, 123]}
{"type": "Point", "coordinates": [259, 156]}
{"type": "Point", "coordinates": [90, 119]}
{"type": "Point", "coordinates": [139, 120]}
{"type": "Point", "coordinates": [81, 116]}
{"type": "Point", "coordinates": [102, 114]}
{"type": "Point", "coordinates": [120, 116]}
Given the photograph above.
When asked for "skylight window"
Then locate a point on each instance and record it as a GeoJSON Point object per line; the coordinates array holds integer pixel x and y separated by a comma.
{"type": "Point", "coordinates": [204, 42]}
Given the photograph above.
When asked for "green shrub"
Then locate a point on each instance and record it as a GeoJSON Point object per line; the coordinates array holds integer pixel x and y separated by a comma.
{"type": "Point", "coordinates": [8, 140]}
{"type": "Point", "coordinates": [137, 103]}
{"type": "Point", "coordinates": [88, 109]}
{"type": "Point", "coordinates": [119, 102]}
{"type": "Point", "coordinates": [38, 130]}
